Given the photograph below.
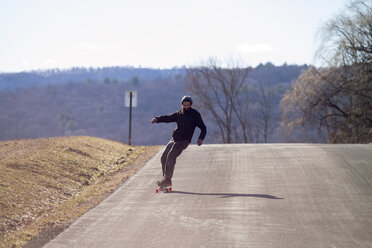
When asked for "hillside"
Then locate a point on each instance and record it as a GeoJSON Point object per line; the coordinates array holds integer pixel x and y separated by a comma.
{"type": "Point", "coordinates": [49, 182]}
{"type": "Point", "coordinates": [13, 81]}
{"type": "Point", "coordinates": [27, 79]}
{"type": "Point", "coordinates": [93, 105]}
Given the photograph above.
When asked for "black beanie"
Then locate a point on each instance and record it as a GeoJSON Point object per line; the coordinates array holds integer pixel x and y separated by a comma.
{"type": "Point", "coordinates": [187, 99]}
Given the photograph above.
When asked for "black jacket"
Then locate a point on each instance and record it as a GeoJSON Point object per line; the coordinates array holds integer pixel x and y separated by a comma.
{"type": "Point", "coordinates": [186, 123]}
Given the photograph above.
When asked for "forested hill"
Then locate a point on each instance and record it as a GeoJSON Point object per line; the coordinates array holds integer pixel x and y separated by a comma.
{"type": "Point", "coordinates": [91, 102]}
{"type": "Point", "coordinates": [11, 81]}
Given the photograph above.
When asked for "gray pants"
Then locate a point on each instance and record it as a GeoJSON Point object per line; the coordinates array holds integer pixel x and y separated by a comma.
{"type": "Point", "coordinates": [170, 154]}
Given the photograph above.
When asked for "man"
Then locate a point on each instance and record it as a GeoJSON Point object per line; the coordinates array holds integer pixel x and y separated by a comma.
{"type": "Point", "coordinates": [187, 120]}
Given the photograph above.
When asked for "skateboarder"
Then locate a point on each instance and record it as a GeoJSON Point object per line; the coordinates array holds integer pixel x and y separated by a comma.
{"type": "Point", "coordinates": [187, 120]}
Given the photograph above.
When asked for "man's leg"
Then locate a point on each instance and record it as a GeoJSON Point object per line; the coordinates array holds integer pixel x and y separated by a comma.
{"type": "Point", "coordinates": [165, 155]}
{"type": "Point", "coordinates": [175, 151]}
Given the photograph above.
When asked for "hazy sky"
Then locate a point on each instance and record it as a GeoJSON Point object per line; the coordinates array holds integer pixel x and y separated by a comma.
{"type": "Point", "coordinates": [39, 34]}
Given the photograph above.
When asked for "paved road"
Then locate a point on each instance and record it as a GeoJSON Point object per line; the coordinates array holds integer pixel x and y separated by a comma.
{"type": "Point", "coordinates": [282, 195]}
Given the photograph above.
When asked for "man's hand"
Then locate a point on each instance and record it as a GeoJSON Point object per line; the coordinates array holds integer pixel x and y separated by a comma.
{"type": "Point", "coordinates": [200, 142]}
{"type": "Point", "coordinates": [154, 121]}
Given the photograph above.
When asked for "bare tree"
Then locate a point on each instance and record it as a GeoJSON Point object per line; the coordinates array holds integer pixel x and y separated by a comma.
{"type": "Point", "coordinates": [347, 39]}
{"type": "Point", "coordinates": [265, 109]}
{"type": "Point", "coordinates": [220, 90]}
{"type": "Point", "coordinates": [330, 101]}
{"type": "Point", "coordinates": [337, 100]}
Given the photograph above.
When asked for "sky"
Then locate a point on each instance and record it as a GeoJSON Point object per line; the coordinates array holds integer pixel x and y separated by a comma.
{"type": "Point", "coordinates": [45, 34]}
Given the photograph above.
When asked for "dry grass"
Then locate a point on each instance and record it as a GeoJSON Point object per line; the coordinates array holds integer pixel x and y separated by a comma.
{"type": "Point", "coordinates": [46, 182]}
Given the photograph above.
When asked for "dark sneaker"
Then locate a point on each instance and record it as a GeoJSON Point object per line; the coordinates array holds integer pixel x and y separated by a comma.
{"type": "Point", "coordinates": [165, 183]}
{"type": "Point", "coordinates": [159, 182]}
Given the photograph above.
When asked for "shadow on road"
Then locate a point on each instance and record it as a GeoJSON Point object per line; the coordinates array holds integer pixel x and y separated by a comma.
{"type": "Point", "coordinates": [228, 195]}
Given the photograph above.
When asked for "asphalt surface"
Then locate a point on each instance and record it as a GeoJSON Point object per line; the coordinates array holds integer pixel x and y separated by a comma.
{"type": "Point", "coordinates": [275, 195]}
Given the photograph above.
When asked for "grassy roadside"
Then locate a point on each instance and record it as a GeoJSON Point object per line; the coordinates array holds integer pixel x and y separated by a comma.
{"type": "Point", "coordinates": [46, 183]}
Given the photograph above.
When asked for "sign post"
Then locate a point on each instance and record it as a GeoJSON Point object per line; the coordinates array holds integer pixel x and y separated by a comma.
{"type": "Point", "coordinates": [130, 101]}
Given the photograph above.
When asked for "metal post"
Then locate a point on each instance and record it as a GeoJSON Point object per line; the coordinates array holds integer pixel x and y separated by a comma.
{"type": "Point", "coordinates": [130, 118]}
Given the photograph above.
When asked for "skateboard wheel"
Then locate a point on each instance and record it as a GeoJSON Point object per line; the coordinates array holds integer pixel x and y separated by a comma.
{"type": "Point", "coordinates": [157, 191]}
{"type": "Point", "coordinates": [170, 189]}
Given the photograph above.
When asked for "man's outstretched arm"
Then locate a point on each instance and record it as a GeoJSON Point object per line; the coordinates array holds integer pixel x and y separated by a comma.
{"type": "Point", "coordinates": [165, 118]}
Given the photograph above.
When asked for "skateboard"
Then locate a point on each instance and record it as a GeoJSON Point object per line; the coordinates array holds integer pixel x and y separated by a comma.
{"type": "Point", "coordinates": [164, 189]}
